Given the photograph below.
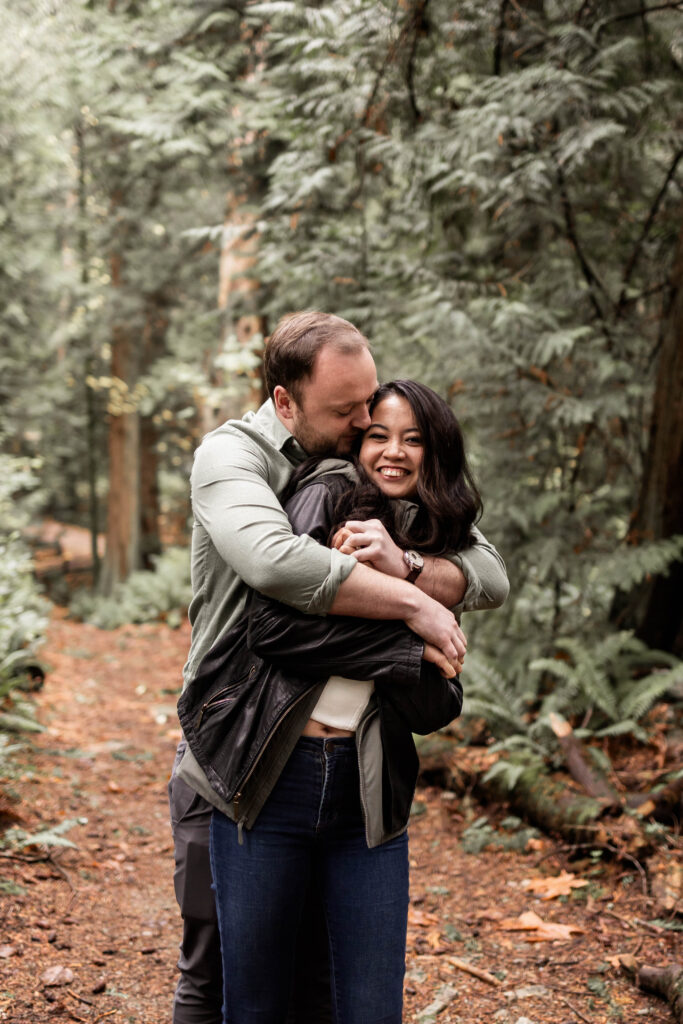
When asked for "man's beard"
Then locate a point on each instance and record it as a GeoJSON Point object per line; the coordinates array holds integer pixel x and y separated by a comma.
{"type": "Point", "coordinates": [314, 442]}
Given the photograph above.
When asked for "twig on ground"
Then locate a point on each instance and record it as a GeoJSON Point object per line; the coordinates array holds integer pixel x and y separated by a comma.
{"type": "Point", "coordinates": [79, 999]}
{"type": "Point", "coordinates": [573, 1009]}
{"type": "Point", "coordinates": [63, 872]}
{"type": "Point", "coordinates": [477, 972]}
{"type": "Point", "coordinates": [636, 863]}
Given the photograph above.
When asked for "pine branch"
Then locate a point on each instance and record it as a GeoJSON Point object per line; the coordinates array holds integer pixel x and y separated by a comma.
{"type": "Point", "coordinates": [589, 274]}
{"type": "Point", "coordinates": [633, 259]}
{"type": "Point", "coordinates": [237, 7]}
{"type": "Point", "coordinates": [640, 12]}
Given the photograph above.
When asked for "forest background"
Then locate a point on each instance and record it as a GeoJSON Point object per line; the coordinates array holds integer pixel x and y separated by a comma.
{"type": "Point", "coordinates": [491, 191]}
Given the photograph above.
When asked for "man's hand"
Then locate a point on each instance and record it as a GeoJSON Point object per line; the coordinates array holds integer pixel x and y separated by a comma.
{"type": "Point", "coordinates": [369, 542]}
{"type": "Point", "coordinates": [369, 594]}
{"type": "Point", "coordinates": [438, 626]}
{"type": "Point", "coordinates": [434, 655]}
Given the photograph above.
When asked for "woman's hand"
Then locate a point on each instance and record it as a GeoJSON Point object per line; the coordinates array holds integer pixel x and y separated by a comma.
{"type": "Point", "coordinates": [369, 542]}
{"type": "Point", "coordinates": [438, 658]}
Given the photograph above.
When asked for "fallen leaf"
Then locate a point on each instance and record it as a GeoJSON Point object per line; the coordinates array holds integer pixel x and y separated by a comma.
{"type": "Point", "coordinates": [114, 787]}
{"type": "Point", "coordinates": [57, 976]}
{"type": "Point", "coordinates": [623, 961]}
{"type": "Point", "coordinates": [488, 915]}
{"type": "Point", "coordinates": [7, 951]}
{"type": "Point", "coordinates": [666, 881]}
{"type": "Point", "coordinates": [538, 929]}
{"type": "Point", "coordinates": [551, 888]}
{"type": "Point", "coordinates": [525, 922]}
{"type": "Point", "coordinates": [421, 918]}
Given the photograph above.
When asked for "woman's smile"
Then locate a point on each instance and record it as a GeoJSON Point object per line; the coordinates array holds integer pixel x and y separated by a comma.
{"type": "Point", "coordinates": [392, 450]}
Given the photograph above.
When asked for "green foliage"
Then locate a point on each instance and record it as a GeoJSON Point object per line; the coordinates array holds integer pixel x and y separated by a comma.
{"type": "Point", "coordinates": [494, 200]}
{"type": "Point", "coordinates": [480, 835]}
{"type": "Point", "coordinates": [19, 839]}
{"type": "Point", "coordinates": [488, 199]}
{"type": "Point", "coordinates": [144, 597]}
{"type": "Point", "coordinates": [605, 688]}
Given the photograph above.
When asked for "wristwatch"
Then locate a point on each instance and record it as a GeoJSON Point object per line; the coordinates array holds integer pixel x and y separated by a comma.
{"type": "Point", "coordinates": [415, 563]}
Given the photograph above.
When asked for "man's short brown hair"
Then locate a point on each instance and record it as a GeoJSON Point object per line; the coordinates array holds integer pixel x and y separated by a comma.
{"type": "Point", "coordinates": [291, 350]}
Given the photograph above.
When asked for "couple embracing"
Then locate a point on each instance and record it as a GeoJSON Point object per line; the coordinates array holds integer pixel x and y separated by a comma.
{"type": "Point", "coordinates": [333, 550]}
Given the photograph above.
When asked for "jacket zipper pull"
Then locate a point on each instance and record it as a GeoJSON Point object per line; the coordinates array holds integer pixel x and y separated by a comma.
{"type": "Point", "coordinates": [201, 715]}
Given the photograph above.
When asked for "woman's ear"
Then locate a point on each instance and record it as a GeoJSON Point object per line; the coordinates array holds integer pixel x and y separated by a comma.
{"type": "Point", "coordinates": [283, 402]}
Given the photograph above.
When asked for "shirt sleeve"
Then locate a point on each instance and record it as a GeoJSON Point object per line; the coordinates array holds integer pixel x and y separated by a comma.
{"type": "Point", "coordinates": [232, 498]}
{"type": "Point", "coordinates": [485, 573]}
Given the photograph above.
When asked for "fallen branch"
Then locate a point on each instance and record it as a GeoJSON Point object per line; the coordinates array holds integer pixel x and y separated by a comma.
{"type": "Point", "coordinates": [541, 799]}
{"type": "Point", "coordinates": [594, 785]}
{"type": "Point", "coordinates": [78, 998]}
{"type": "Point", "coordinates": [477, 972]}
{"type": "Point", "coordinates": [665, 805]}
{"type": "Point", "coordinates": [665, 982]}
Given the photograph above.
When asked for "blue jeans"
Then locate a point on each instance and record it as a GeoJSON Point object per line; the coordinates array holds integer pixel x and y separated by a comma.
{"type": "Point", "coordinates": [311, 833]}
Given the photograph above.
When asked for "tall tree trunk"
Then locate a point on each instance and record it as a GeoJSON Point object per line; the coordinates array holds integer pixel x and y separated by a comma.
{"type": "Point", "coordinates": [154, 338]}
{"type": "Point", "coordinates": [237, 281]}
{"type": "Point", "coordinates": [235, 286]}
{"type": "Point", "coordinates": [655, 609]}
{"type": "Point", "coordinates": [90, 403]}
{"type": "Point", "coordinates": [122, 553]}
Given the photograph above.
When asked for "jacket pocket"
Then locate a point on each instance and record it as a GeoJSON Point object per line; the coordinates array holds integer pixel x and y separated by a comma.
{"type": "Point", "coordinates": [224, 696]}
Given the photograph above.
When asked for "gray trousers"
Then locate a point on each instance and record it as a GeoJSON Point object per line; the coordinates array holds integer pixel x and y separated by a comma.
{"type": "Point", "coordinates": [199, 993]}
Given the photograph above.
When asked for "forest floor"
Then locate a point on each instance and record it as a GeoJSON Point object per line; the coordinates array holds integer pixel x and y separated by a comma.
{"type": "Point", "coordinates": [104, 912]}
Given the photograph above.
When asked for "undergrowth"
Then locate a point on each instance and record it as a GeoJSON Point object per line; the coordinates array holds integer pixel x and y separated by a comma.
{"type": "Point", "coordinates": [162, 594]}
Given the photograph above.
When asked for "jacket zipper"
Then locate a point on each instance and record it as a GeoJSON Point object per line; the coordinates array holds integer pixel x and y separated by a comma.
{"type": "Point", "coordinates": [242, 783]}
{"type": "Point", "coordinates": [218, 697]}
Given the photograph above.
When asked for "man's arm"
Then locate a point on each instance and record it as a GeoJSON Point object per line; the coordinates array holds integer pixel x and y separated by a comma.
{"type": "Point", "coordinates": [474, 578]}
{"type": "Point", "coordinates": [370, 594]}
{"type": "Point", "coordinates": [233, 500]}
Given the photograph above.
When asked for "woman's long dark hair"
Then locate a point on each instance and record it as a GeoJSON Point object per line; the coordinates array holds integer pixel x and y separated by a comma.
{"type": "Point", "coordinates": [448, 500]}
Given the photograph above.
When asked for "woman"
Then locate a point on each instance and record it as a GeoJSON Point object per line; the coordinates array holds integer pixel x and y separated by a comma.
{"type": "Point", "coordinates": [321, 768]}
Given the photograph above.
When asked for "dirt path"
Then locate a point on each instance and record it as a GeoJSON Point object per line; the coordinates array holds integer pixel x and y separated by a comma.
{"type": "Point", "coordinates": [105, 910]}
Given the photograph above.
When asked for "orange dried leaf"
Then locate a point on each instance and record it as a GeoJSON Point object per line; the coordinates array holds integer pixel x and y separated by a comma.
{"type": "Point", "coordinates": [551, 888]}
{"type": "Point", "coordinates": [539, 930]}
{"type": "Point", "coordinates": [525, 922]}
{"type": "Point", "coordinates": [421, 918]}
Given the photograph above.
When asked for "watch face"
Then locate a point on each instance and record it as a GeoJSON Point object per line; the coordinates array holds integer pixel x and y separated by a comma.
{"type": "Point", "coordinates": [414, 559]}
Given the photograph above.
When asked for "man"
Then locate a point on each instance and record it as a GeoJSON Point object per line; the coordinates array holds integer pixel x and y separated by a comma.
{"type": "Point", "coordinates": [320, 376]}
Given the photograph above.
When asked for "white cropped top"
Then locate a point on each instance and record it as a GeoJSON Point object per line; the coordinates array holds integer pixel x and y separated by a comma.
{"type": "Point", "coordinates": [342, 702]}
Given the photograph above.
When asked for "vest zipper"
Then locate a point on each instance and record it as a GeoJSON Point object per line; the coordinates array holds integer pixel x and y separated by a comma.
{"type": "Point", "coordinates": [360, 732]}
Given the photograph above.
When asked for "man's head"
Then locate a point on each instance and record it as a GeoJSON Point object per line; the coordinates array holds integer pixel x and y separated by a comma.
{"type": "Point", "coordinates": [321, 377]}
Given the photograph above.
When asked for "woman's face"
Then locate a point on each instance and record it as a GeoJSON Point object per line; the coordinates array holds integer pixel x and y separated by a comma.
{"type": "Point", "coordinates": [391, 452]}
